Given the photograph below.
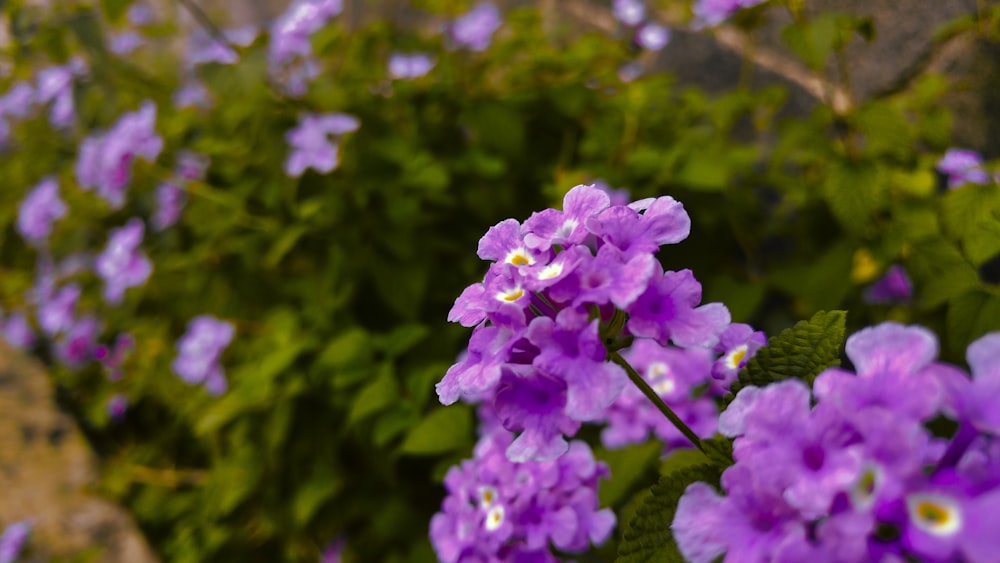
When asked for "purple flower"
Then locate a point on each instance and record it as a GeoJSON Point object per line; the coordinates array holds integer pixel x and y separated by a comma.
{"type": "Point", "coordinates": [139, 14]}
{"type": "Point", "coordinates": [169, 201]}
{"type": "Point", "coordinates": [55, 85]}
{"type": "Point", "coordinates": [76, 346]}
{"type": "Point", "coordinates": [192, 94]}
{"type": "Point", "coordinates": [333, 552]}
{"type": "Point", "coordinates": [125, 42]}
{"type": "Point", "coordinates": [311, 144]}
{"type": "Point", "coordinates": [714, 12]}
{"type": "Point", "coordinates": [292, 30]}
{"type": "Point", "coordinates": [18, 101]}
{"type": "Point", "coordinates": [116, 406]}
{"type": "Point", "coordinates": [963, 167]}
{"type": "Point", "coordinates": [13, 539]}
{"type": "Point", "coordinates": [893, 287]}
{"type": "Point", "coordinates": [737, 344]}
{"type": "Point", "coordinates": [499, 510]}
{"type": "Point", "coordinates": [39, 210]}
{"type": "Point", "coordinates": [16, 330]}
{"type": "Point", "coordinates": [122, 265]}
{"type": "Point", "coordinates": [105, 162]}
{"type": "Point", "coordinates": [57, 312]}
{"type": "Point", "coordinates": [668, 310]}
{"type": "Point", "coordinates": [113, 358]}
{"type": "Point", "coordinates": [652, 36]}
{"type": "Point", "coordinates": [476, 27]}
{"type": "Point", "coordinates": [191, 165]}
{"type": "Point", "coordinates": [629, 12]}
{"type": "Point", "coordinates": [199, 350]}
{"type": "Point", "coordinates": [408, 66]}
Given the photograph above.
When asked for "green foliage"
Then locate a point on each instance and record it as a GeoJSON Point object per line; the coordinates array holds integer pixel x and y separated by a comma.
{"type": "Point", "coordinates": [800, 352]}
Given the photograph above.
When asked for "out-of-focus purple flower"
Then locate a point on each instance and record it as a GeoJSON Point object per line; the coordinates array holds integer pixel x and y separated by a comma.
{"type": "Point", "coordinates": [17, 331]}
{"type": "Point", "coordinates": [139, 14]}
{"type": "Point", "coordinates": [714, 12]}
{"type": "Point", "coordinates": [192, 94]}
{"type": "Point", "coordinates": [122, 265]}
{"type": "Point", "coordinates": [18, 101]}
{"type": "Point", "coordinates": [105, 161]}
{"type": "Point", "coordinates": [190, 165]}
{"type": "Point", "coordinates": [498, 510]}
{"type": "Point", "coordinates": [630, 71]}
{"type": "Point", "coordinates": [55, 86]}
{"type": "Point", "coordinates": [629, 12]}
{"type": "Point", "coordinates": [407, 66]}
{"type": "Point", "coordinates": [169, 202]}
{"type": "Point", "coordinates": [332, 553]}
{"type": "Point", "coordinates": [56, 312]}
{"type": "Point", "coordinates": [116, 406]}
{"type": "Point", "coordinates": [39, 210]}
{"type": "Point", "coordinates": [76, 346]}
{"type": "Point", "coordinates": [292, 30]}
{"type": "Point", "coordinates": [311, 146]}
{"type": "Point", "coordinates": [114, 357]}
{"type": "Point", "coordinates": [126, 42]}
{"type": "Point", "coordinates": [652, 36]}
{"type": "Point", "coordinates": [893, 287]}
{"type": "Point", "coordinates": [963, 167]}
{"type": "Point", "coordinates": [476, 27]}
{"type": "Point", "coordinates": [199, 350]}
{"type": "Point", "coordinates": [13, 539]}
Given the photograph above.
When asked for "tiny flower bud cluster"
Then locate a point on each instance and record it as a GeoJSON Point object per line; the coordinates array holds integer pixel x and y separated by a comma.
{"type": "Point", "coordinates": [498, 510]}
{"type": "Point", "coordinates": [850, 472]}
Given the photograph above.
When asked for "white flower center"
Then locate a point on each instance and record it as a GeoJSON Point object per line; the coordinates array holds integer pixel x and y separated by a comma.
{"type": "Point", "coordinates": [551, 271]}
{"type": "Point", "coordinates": [487, 496]}
{"type": "Point", "coordinates": [567, 228]}
{"type": "Point", "coordinates": [863, 492]}
{"type": "Point", "coordinates": [519, 257]}
{"type": "Point", "coordinates": [938, 515]}
{"type": "Point", "coordinates": [494, 518]}
{"type": "Point", "coordinates": [511, 295]}
{"type": "Point", "coordinates": [735, 357]}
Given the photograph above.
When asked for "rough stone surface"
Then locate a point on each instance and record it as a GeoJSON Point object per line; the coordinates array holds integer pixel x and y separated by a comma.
{"type": "Point", "coordinates": [46, 468]}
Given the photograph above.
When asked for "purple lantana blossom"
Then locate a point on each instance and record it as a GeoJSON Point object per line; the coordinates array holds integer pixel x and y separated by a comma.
{"type": "Point", "coordinates": [499, 510]}
{"type": "Point", "coordinates": [122, 264]}
{"type": "Point", "coordinates": [406, 66]}
{"type": "Point", "coordinates": [894, 287]}
{"type": "Point", "coordinates": [105, 161]}
{"type": "Point", "coordinates": [170, 197]}
{"type": "Point", "coordinates": [963, 166]}
{"type": "Point", "coordinates": [292, 30]}
{"type": "Point", "coordinates": [560, 289]}
{"type": "Point", "coordinates": [199, 351]}
{"type": "Point", "coordinates": [474, 29]}
{"type": "Point", "coordinates": [125, 42]}
{"type": "Point", "coordinates": [75, 347]}
{"type": "Point", "coordinates": [13, 539]}
{"type": "Point", "coordinates": [311, 144]}
{"type": "Point", "coordinates": [57, 309]}
{"type": "Point", "coordinates": [114, 356]}
{"type": "Point", "coordinates": [737, 344]}
{"type": "Point", "coordinates": [850, 472]}
{"type": "Point", "coordinates": [192, 94]}
{"type": "Point", "coordinates": [39, 210]}
{"type": "Point", "coordinates": [55, 87]}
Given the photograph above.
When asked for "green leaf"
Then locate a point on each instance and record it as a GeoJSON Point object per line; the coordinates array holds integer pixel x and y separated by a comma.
{"type": "Point", "coordinates": [281, 246]}
{"type": "Point", "coordinates": [800, 352]}
{"type": "Point", "coordinates": [310, 496]}
{"type": "Point", "coordinates": [970, 316]}
{"type": "Point", "coordinates": [378, 395]}
{"type": "Point", "coordinates": [445, 429]}
{"type": "Point", "coordinates": [648, 536]}
{"type": "Point", "coordinates": [115, 9]}
{"type": "Point", "coordinates": [719, 449]}
{"type": "Point", "coordinates": [854, 192]}
{"type": "Point", "coordinates": [820, 282]}
{"type": "Point", "coordinates": [627, 464]}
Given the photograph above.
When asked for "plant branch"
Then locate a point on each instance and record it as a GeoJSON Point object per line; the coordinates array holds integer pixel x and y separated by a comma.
{"type": "Point", "coordinates": [656, 399]}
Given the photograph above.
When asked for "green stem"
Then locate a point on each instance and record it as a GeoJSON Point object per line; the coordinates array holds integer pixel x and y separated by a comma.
{"type": "Point", "coordinates": [656, 399]}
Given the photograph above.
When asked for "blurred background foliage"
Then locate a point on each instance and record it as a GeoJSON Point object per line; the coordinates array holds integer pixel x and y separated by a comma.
{"type": "Point", "coordinates": [339, 284]}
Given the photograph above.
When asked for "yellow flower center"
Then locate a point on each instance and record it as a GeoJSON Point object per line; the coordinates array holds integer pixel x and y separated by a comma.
{"type": "Point", "coordinates": [511, 295]}
{"type": "Point", "coordinates": [736, 356]}
{"type": "Point", "coordinates": [936, 514]}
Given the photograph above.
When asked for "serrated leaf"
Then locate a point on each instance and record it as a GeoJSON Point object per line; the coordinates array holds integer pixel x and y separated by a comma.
{"type": "Point", "coordinates": [445, 429]}
{"type": "Point", "coordinates": [800, 352]}
{"type": "Point", "coordinates": [719, 449]}
{"type": "Point", "coordinates": [854, 191]}
{"type": "Point", "coordinates": [647, 536]}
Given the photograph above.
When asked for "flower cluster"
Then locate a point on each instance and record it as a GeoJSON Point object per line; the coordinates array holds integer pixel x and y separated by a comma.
{"type": "Point", "coordinates": [199, 350]}
{"type": "Point", "coordinates": [498, 510]}
{"type": "Point", "coordinates": [894, 287]}
{"type": "Point", "coordinates": [714, 12]}
{"type": "Point", "coordinates": [403, 66]}
{"type": "Point", "coordinates": [567, 290]}
{"type": "Point", "coordinates": [311, 144]}
{"type": "Point", "coordinates": [851, 472]}
{"type": "Point", "coordinates": [962, 167]}
{"type": "Point", "coordinates": [122, 264]}
{"type": "Point", "coordinates": [39, 210]}
{"type": "Point", "coordinates": [105, 161]}
{"type": "Point", "coordinates": [170, 195]}
{"type": "Point", "coordinates": [290, 56]}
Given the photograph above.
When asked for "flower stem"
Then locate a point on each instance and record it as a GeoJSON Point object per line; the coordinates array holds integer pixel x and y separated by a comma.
{"type": "Point", "coordinates": [656, 399]}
